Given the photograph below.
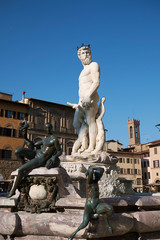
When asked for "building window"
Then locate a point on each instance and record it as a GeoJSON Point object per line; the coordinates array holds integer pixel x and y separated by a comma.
{"type": "Point", "coordinates": [145, 175]}
{"type": "Point", "coordinates": [8, 132]}
{"type": "Point", "coordinates": [138, 181]}
{"type": "Point", "coordinates": [120, 160]}
{"type": "Point", "coordinates": [148, 163]}
{"type": "Point", "coordinates": [135, 171]}
{"type": "Point", "coordinates": [156, 163]}
{"type": "Point", "coordinates": [135, 161]}
{"type": "Point", "coordinates": [8, 114]}
{"type": "Point", "coordinates": [136, 132]}
{"type": "Point", "coordinates": [128, 160]}
{"type": "Point", "coordinates": [131, 132]}
{"type": "Point", "coordinates": [20, 116]}
{"type": "Point", "coordinates": [144, 163]}
{"type": "Point", "coordinates": [155, 150]}
{"type": "Point", "coordinates": [121, 170]}
{"type": "Point", "coordinates": [6, 154]}
{"type": "Point", "coordinates": [123, 160]}
{"type": "Point", "coordinates": [1, 129]}
{"type": "Point", "coordinates": [128, 170]}
{"type": "Point", "coordinates": [124, 171]}
{"type": "Point", "coordinates": [157, 174]}
{"type": "Point", "coordinates": [1, 112]}
{"type": "Point", "coordinates": [149, 175]}
{"type": "Point", "coordinates": [13, 133]}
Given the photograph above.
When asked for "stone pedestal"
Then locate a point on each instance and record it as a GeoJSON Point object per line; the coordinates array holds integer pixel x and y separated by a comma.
{"type": "Point", "coordinates": [41, 188]}
{"type": "Point", "coordinates": [110, 184]}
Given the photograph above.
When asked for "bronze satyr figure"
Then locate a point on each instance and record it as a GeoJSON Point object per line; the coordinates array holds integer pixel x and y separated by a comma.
{"type": "Point", "coordinates": [93, 208]}
{"type": "Point", "coordinates": [47, 157]}
{"type": "Point", "coordinates": [23, 152]}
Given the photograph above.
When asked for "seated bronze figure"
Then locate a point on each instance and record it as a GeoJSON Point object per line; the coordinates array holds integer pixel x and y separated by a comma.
{"type": "Point", "coordinates": [46, 156]}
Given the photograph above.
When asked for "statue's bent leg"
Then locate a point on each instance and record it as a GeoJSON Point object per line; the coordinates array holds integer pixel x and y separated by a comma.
{"type": "Point", "coordinates": [104, 208]}
{"type": "Point", "coordinates": [25, 167]}
{"type": "Point", "coordinates": [23, 153]}
{"type": "Point", "coordinates": [76, 146]}
{"type": "Point", "coordinates": [87, 216]}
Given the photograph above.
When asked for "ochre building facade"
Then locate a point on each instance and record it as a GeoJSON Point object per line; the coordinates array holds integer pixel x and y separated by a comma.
{"type": "Point", "coordinates": [38, 113]}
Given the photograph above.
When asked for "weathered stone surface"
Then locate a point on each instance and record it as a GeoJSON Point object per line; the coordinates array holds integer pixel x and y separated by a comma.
{"type": "Point", "coordinates": [129, 236]}
{"type": "Point", "coordinates": [130, 201]}
{"type": "Point", "coordinates": [120, 223]}
{"type": "Point", "coordinates": [120, 201]}
{"type": "Point", "coordinates": [110, 184]}
{"type": "Point", "coordinates": [42, 171]}
{"type": "Point", "coordinates": [6, 202]}
{"type": "Point", "coordinates": [62, 225]}
{"type": "Point", "coordinates": [148, 201]}
{"type": "Point", "coordinates": [8, 223]}
{"type": "Point", "coordinates": [32, 237]}
{"type": "Point", "coordinates": [64, 182]}
{"type": "Point", "coordinates": [71, 203]}
{"type": "Point", "coordinates": [50, 224]}
{"type": "Point", "coordinates": [148, 221]}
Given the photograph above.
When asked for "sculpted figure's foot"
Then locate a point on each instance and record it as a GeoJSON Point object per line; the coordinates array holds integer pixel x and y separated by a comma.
{"type": "Point", "coordinates": [12, 193]}
{"type": "Point", "coordinates": [110, 229]}
{"type": "Point", "coordinates": [70, 238]}
{"type": "Point", "coordinates": [94, 152]}
{"type": "Point", "coordinates": [89, 150]}
{"type": "Point", "coordinates": [80, 150]}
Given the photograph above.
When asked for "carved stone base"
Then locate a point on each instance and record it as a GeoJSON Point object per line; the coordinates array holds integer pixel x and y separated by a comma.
{"type": "Point", "coordinates": [38, 194]}
{"type": "Point", "coordinates": [110, 184]}
{"type": "Point", "coordinates": [41, 188]}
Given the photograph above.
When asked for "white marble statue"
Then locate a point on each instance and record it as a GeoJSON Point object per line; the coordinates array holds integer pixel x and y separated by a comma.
{"type": "Point", "coordinates": [100, 138]}
{"type": "Point", "coordinates": [81, 144]}
{"type": "Point", "coordinates": [86, 122]}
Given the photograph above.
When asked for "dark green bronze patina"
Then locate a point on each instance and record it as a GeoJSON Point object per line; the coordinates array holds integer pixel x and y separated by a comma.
{"type": "Point", "coordinates": [22, 153]}
{"type": "Point", "coordinates": [93, 208]}
{"type": "Point", "coordinates": [47, 157]}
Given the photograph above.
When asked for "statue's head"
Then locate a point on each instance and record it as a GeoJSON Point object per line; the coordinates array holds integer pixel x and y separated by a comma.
{"type": "Point", "coordinates": [48, 127]}
{"type": "Point", "coordinates": [84, 54]}
{"type": "Point", "coordinates": [24, 126]}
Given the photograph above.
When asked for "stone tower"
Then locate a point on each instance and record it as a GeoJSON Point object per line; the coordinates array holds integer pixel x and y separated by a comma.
{"type": "Point", "coordinates": [133, 132]}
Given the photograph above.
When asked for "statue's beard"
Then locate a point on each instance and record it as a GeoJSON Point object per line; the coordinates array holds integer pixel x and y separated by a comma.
{"type": "Point", "coordinates": [86, 61]}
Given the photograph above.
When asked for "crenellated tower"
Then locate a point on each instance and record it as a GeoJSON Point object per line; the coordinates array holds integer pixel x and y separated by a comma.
{"type": "Point", "coordinates": [133, 132]}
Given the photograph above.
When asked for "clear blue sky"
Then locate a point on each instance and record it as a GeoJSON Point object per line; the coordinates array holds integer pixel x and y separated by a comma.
{"type": "Point", "coordinates": [38, 41]}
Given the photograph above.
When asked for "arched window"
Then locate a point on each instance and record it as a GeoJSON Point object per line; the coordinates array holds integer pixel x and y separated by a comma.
{"type": "Point", "coordinates": [131, 132]}
{"type": "Point", "coordinates": [136, 132]}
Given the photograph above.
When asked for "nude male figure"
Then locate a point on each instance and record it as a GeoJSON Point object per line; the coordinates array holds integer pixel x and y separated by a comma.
{"type": "Point", "coordinates": [89, 81]}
